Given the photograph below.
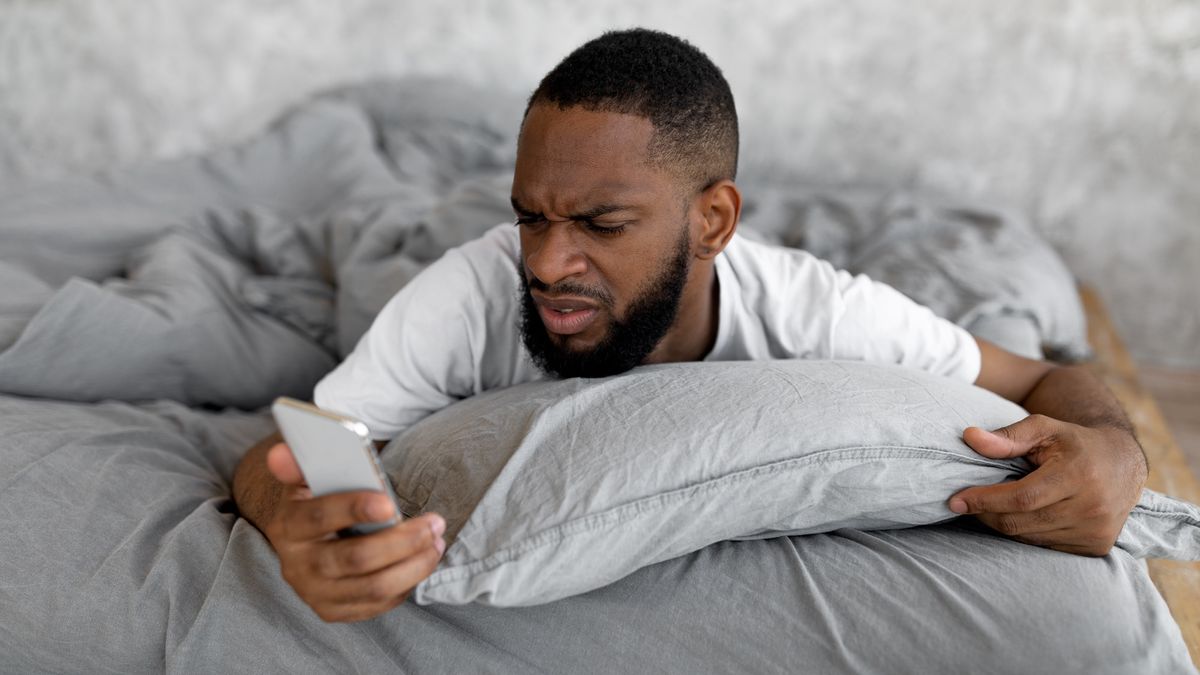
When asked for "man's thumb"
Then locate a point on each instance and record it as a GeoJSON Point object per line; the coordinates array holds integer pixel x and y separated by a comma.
{"type": "Point", "coordinates": [282, 464]}
{"type": "Point", "coordinates": [1014, 440]}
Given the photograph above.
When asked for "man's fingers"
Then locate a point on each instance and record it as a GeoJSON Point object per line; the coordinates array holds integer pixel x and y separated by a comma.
{"type": "Point", "coordinates": [1069, 540]}
{"type": "Point", "coordinates": [1043, 487]}
{"type": "Point", "coordinates": [1014, 440]}
{"type": "Point", "coordinates": [1096, 550]}
{"type": "Point", "coordinates": [1053, 518]}
{"type": "Point", "coordinates": [363, 611]}
{"type": "Point", "coordinates": [282, 464]}
{"type": "Point", "coordinates": [357, 578]}
{"type": "Point", "coordinates": [383, 586]}
{"type": "Point", "coordinates": [1045, 539]}
{"type": "Point", "coordinates": [389, 583]}
{"type": "Point", "coordinates": [358, 556]}
{"type": "Point", "coordinates": [320, 517]}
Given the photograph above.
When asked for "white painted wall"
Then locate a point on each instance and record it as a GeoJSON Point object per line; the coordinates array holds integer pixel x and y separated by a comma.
{"type": "Point", "coordinates": [1086, 113]}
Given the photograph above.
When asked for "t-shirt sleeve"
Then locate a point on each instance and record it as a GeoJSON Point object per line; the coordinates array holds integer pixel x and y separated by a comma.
{"type": "Point", "coordinates": [416, 358]}
{"type": "Point", "coordinates": [875, 322]}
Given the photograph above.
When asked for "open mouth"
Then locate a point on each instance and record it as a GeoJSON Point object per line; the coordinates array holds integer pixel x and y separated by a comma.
{"type": "Point", "coordinates": [566, 316]}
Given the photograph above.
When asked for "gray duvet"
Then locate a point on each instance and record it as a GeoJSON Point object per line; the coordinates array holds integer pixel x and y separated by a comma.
{"type": "Point", "coordinates": [146, 315]}
{"type": "Point", "coordinates": [122, 554]}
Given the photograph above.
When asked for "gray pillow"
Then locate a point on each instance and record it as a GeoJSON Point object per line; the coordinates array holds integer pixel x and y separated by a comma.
{"type": "Point", "coordinates": [552, 489]}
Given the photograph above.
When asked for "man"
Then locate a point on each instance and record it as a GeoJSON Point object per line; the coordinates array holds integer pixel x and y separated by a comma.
{"type": "Point", "coordinates": [624, 253]}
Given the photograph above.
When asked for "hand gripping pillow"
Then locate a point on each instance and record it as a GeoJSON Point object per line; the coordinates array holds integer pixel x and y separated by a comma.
{"type": "Point", "coordinates": [551, 489]}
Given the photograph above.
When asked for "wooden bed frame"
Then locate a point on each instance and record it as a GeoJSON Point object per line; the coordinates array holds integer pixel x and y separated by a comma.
{"type": "Point", "coordinates": [1178, 582]}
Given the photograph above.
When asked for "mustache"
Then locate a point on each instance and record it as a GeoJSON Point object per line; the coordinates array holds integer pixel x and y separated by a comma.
{"type": "Point", "coordinates": [569, 288]}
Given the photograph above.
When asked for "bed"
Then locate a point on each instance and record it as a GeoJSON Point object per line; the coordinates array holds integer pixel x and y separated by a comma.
{"type": "Point", "coordinates": [1179, 582]}
{"type": "Point", "coordinates": [151, 313]}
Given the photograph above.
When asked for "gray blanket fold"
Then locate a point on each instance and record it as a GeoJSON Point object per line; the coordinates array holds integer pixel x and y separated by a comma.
{"type": "Point", "coordinates": [294, 241]}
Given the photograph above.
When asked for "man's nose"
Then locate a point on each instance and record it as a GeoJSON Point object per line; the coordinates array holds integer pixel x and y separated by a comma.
{"type": "Point", "coordinates": [553, 253]}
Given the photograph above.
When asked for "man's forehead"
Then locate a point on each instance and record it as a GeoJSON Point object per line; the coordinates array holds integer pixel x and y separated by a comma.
{"type": "Point", "coordinates": [584, 157]}
{"type": "Point", "coordinates": [551, 130]}
{"type": "Point", "coordinates": [563, 197]}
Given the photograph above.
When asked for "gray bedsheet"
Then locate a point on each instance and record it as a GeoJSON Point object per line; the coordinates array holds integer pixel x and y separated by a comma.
{"type": "Point", "coordinates": [140, 310]}
{"type": "Point", "coordinates": [122, 554]}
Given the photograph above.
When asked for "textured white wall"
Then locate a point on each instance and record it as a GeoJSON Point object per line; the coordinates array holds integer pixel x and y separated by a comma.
{"type": "Point", "coordinates": [1084, 113]}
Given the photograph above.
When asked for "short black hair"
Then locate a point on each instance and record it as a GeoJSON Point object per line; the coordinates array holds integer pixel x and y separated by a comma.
{"type": "Point", "coordinates": [660, 77]}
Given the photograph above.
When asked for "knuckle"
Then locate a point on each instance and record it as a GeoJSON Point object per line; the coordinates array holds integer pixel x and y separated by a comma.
{"type": "Point", "coordinates": [316, 515]}
{"type": "Point", "coordinates": [355, 558]}
{"type": "Point", "coordinates": [1036, 424]}
{"type": "Point", "coordinates": [321, 567]}
{"type": "Point", "coordinates": [1096, 511]}
{"type": "Point", "coordinates": [284, 526]}
{"type": "Point", "coordinates": [1047, 428]}
{"type": "Point", "coordinates": [1007, 525]}
{"type": "Point", "coordinates": [359, 508]}
{"type": "Point", "coordinates": [329, 566]}
{"type": "Point", "coordinates": [433, 558]}
{"type": "Point", "coordinates": [413, 539]}
{"type": "Point", "coordinates": [422, 538]}
{"type": "Point", "coordinates": [378, 590]}
{"type": "Point", "coordinates": [432, 555]}
{"type": "Point", "coordinates": [1025, 500]}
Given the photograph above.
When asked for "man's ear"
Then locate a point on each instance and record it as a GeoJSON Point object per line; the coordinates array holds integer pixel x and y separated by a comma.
{"type": "Point", "coordinates": [720, 208]}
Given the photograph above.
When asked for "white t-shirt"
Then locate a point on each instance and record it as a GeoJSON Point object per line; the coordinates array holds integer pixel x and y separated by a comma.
{"type": "Point", "coordinates": [453, 331]}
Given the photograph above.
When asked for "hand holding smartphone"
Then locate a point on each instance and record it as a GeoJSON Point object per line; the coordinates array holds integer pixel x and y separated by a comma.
{"type": "Point", "coordinates": [335, 454]}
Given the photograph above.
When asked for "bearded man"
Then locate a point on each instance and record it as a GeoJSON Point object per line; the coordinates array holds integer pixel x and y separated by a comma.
{"type": "Point", "coordinates": [624, 252]}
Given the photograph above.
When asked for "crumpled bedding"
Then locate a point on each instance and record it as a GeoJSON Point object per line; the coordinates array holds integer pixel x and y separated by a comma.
{"type": "Point", "coordinates": [149, 313]}
{"type": "Point", "coordinates": [123, 554]}
{"type": "Point", "coordinates": [981, 266]}
{"type": "Point", "coordinates": [271, 259]}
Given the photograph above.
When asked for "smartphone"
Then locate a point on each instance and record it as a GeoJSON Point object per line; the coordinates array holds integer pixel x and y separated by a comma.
{"type": "Point", "coordinates": [335, 454]}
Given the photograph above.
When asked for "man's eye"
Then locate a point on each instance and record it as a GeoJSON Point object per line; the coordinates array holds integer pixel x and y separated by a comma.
{"type": "Point", "coordinates": [530, 220]}
{"type": "Point", "coordinates": [610, 230]}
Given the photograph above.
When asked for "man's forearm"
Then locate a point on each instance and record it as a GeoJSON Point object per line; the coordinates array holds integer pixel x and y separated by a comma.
{"type": "Point", "coordinates": [1073, 394]}
{"type": "Point", "coordinates": [255, 490]}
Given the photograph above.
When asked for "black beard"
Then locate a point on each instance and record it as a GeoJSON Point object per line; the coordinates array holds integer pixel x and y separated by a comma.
{"type": "Point", "coordinates": [628, 342]}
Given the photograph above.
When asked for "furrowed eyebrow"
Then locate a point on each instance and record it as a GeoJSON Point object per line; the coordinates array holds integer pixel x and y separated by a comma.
{"type": "Point", "coordinates": [586, 215]}
{"type": "Point", "coordinates": [597, 211]}
{"type": "Point", "coordinates": [520, 209]}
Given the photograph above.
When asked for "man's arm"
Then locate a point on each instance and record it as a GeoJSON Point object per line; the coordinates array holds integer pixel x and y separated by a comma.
{"type": "Point", "coordinates": [255, 490]}
{"type": "Point", "coordinates": [416, 358]}
{"type": "Point", "coordinates": [1090, 468]}
{"type": "Point", "coordinates": [348, 579]}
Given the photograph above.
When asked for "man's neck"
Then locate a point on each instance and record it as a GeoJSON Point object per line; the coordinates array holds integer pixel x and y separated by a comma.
{"type": "Point", "coordinates": [694, 332]}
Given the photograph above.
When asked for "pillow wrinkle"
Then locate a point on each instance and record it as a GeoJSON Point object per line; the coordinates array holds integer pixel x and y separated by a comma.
{"type": "Point", "coordinates": [555, 488]}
